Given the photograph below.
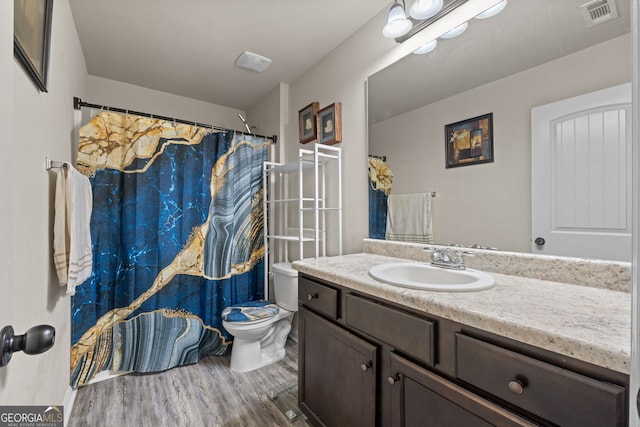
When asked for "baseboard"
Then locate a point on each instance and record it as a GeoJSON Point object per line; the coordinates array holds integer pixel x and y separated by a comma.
{"type": "Point", "coordinates": [106, 375]}
{"type": "Point", "coordinates": [70, 396]}
{"type": "Point", "coordinates": [67, 404]}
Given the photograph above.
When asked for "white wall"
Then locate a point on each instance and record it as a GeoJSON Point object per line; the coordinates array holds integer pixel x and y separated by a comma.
{"type": "Point", "coordinates": [113, 93]}
{"type": "Point", "coordinates": [490, 204]}
{"type": "Point", "coordinates": [35, 125]}
{"type": "Point", "coordinates": [265, 114]}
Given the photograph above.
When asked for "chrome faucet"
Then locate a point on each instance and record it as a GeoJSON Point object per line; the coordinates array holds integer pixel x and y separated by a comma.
{"type": "Point", "coordinates": [443, 258]}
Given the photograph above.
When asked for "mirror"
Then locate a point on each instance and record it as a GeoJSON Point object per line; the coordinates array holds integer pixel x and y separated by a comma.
{"type": "Point", "coordinates": [531, 54]}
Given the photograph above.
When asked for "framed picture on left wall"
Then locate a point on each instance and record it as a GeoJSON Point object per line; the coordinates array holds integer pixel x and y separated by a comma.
{"type": "Point", "coordinates": [32, 38]}
{"type": "Point", "coordinates": [307, 123]}
{"type": "Point", "coordinates": [330, 124]}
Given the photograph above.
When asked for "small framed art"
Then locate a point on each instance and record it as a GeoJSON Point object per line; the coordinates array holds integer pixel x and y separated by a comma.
{"type": "Point", "coordinates": [470, 141]}
{"type": "Point", "coordinates": [32, 38]}
{"type": "Point", "coordinates": [307, 123]}
{"type": "Point", "coordinates": [330, 124]}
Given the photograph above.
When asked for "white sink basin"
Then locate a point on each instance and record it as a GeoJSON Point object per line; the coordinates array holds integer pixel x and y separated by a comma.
{"type": "Point", "coordinates": [415, 275]}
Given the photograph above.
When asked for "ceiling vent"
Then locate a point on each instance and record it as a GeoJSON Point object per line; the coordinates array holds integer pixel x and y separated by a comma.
{"type": "Point", "coordinates": [598, 11]}
{"type": "Point", "coordinates": [253, 61]}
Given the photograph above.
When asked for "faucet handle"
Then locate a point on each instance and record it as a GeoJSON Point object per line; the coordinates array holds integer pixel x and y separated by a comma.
{"type": "Point", "coordinates": [459, 259]}
{"type": "Point", "coordinates": [436, 255]}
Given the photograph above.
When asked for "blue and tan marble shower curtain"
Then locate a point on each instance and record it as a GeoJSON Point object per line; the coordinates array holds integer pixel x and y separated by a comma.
{"type": "Point", "coordinates": [380, 182]}
{"type": "Point", "coordinates": [177, 235]}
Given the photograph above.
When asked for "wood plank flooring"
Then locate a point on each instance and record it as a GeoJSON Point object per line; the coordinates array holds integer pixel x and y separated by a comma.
{"type": "Point", "coordinates": [206, 394]}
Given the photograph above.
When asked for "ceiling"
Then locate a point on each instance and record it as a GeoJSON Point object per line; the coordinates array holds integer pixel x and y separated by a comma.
{"type": "Point", "coordinates": [189, 47]}
{"type": "Point", "coordinates": [525, 34]}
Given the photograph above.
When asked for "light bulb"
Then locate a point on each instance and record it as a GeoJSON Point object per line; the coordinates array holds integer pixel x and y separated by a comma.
{"type": "Point", "coordinates": [424, 9]}
{"type": "Point", "coordinates": [492, 11]}
{"type": "Point", "coordinates": [456, 31]}
{"type": "Point", "coordinates": [426, 48]}
{"type": "Point", "coordinates": [397, 22]}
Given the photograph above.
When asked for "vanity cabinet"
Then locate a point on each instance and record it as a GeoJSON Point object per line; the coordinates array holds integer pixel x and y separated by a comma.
{"type": "Point", "coordinates": [368, 362]}
{"type": "Point", "coordinates": [338, 387]}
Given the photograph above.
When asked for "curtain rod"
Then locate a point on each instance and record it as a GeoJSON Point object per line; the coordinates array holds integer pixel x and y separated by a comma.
{"type": "Point", "coordinates": [79, 103]}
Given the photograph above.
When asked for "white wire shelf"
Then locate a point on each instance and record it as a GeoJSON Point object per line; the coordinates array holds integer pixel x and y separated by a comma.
{"type": "Point", "coordinates": [304, 199]}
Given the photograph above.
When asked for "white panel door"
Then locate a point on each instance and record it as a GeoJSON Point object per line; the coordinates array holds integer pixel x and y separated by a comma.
{"type": "Point", "coordinates": [581, 176]}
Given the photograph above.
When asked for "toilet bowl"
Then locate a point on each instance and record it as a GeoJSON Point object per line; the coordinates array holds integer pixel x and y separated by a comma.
{"type": "Point", "coordinates": [260, 329]}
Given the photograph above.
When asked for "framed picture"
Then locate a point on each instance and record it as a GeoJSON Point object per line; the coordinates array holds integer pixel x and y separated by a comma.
{"type": "Point", "coordinates": [330, 124]}
{"type": "Point", "coordinates": [469, 142]}
{"type": "Point", "coordinates": [32, 38]}
{"type": "Point", "coordinates": [307, 123]}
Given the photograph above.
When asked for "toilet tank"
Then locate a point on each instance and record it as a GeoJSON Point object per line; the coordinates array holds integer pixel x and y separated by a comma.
{"type": "Point", "coordinates": [285, 284]}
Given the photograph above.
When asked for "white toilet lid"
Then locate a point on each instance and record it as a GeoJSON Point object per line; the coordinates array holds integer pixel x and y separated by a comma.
{"type": "Point", "coordinates": [241, 325]}
{"type": "Point", "coordinates": [250, 312]}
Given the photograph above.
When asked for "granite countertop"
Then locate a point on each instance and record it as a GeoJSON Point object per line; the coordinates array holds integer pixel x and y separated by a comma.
{"type": "Point", "coordinates": [586, 323]}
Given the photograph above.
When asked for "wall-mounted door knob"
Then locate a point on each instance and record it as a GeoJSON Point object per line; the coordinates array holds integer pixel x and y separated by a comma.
{"type": "Point", "coordinates": [35, 341]}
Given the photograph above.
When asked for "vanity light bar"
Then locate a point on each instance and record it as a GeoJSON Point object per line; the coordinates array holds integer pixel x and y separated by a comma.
{"type": "Point", "coordinates": [446, 9]}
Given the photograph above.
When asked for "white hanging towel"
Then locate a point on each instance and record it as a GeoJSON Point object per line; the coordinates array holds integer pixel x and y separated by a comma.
{"type": "Point", "coordinates": [72, 254]}
{"type": "Point", "coordinates": [409, 218]}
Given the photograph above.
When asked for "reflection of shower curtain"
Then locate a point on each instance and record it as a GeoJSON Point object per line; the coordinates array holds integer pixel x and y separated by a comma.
{"type": "Point", "coordinates": [177, 236]}
{"type": "Point", "coordinates": [380, 181]}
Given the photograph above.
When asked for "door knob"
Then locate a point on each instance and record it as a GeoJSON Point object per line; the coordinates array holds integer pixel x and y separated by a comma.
{"type": "Point", "coordinates": [365, 366]}
{"type": "Point", "coordinates": [35, 341]}
{"type": "Point", "coordinates": [392, 380]}
{"type": "Point", "coordinates": [539, 241]}
{"type": "Point", "coordinates": [311, 297]}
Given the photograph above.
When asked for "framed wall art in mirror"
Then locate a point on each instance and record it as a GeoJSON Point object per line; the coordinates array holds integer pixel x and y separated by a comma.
{"type": "Point", "coordinates": [330, 123]}
{"type": "Point", "coordinates": [32, 37]}
{"type": "Point", "coordinates": [469, 141]}
{"type": "Point", "coordinates": [307, 123]}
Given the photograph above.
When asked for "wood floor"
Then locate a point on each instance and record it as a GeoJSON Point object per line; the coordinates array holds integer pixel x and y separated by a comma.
{"type": "Point", "coordinates": [206, 394]}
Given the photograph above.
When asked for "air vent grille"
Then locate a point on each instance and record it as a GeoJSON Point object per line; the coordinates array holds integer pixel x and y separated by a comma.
{"type": "Point", "coordinates": [598, 11]}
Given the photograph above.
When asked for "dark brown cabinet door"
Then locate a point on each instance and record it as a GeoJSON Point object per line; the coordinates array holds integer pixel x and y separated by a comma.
{"type": "Point", "coordinates": [422, 398]}
{"type": "Point", "coordinates": [337, 374]}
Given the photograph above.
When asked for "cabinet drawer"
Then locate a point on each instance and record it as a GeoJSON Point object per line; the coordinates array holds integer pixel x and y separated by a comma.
{"type": "Point", "coordinates": [423, 398]}
{"type": "Point", "coordinates": [555, 394]}
{"type": "Point", "coordinates": [408, 334]}
{"type": "Point", "coordinates": [320, 298]}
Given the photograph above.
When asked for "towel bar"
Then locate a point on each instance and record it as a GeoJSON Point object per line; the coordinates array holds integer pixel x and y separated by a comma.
{"type": "Point", "coordinates": [50, 164]}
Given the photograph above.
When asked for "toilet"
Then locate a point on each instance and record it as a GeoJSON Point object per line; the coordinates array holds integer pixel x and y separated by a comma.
{"type": "Point", "coordinates": [260, 328]}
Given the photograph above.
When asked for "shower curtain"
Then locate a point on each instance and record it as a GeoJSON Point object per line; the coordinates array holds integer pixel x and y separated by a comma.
{"type": "Point", "coordinates": [380, 182]}
{"type": "Point", "coordinates": [177, 236]}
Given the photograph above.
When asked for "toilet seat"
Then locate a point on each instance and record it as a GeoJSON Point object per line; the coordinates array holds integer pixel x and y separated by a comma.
{"type": "Point", "coordinates": [252, 324]}
{"type": "Point", "coordinates": [250, 312]}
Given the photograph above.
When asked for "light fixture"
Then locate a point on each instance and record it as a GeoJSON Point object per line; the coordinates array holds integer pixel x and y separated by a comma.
{"type": "Point", "coordinates": [397, 22]}
{"type": "Point", "coordinates": [426, 48]}
{"type": "Point", "coordinates": [424, 9]}
{"type": "Point", "coordinates": [456, 31]}
{"type": "Point", "coordinates": [253, 61]}
{"type": "Point", "coordinates": [492, 11]}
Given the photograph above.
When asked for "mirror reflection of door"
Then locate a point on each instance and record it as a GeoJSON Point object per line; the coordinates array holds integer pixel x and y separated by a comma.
{"type": "Point", "coordinates": [581, 176]}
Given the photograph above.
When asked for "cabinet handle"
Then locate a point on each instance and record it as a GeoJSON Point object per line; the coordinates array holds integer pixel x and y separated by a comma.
{"type": "Point", "coordinates": [393, 380]}
{"type": "Point", "coordinates": [310, 297]}
{"type": "Point", "coordinates": [516, 386]}
{"type": "Point", "coordinates": [365, 366]}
